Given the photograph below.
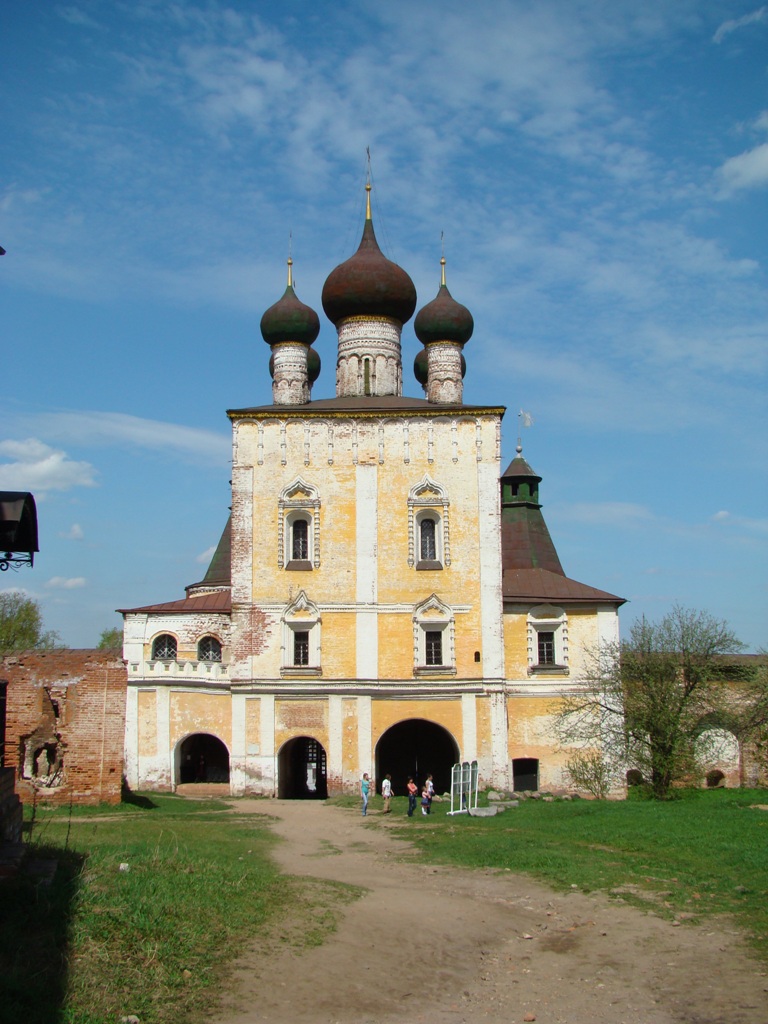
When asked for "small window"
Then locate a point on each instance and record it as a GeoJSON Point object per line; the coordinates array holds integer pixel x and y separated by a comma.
{"type": "Point", "coordinates": [209, 649]}
{"type": "Point", "coordinates": [546, 642]}
{"type": "Point", "coordinates": [164, 648]}
{"type": "Point", "coordinates": [300, 539]}
{"type": "Point", "coordinates": [300, 647]}
{"type": "Point", "coordinates": [427, 539]}
{"type": "Point", "coordinates": [433, 642]}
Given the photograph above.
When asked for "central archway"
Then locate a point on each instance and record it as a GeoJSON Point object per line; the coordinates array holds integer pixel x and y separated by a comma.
{"type": "Point", "coordinates": [301, 770]}
{"type": "Point", "coordinates": [419, 748]}
{"type": "Point", "coordinates": [202, 758]}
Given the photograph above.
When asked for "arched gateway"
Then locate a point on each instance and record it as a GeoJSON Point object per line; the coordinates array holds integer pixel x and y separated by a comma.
{"type": "Point", "coordinates": [418, 748]}
{"type": "Point", "coordinates": [301, 770]}
{"type": "Point", "coordinates": [202, 758]}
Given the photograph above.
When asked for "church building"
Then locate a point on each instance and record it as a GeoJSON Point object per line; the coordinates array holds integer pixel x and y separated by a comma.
{"type": "Point", "coordinates": [383, 598]}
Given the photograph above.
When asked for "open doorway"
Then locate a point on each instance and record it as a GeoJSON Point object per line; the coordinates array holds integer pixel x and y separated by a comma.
{"type": "Point", "coordinates": [419, 748]}
{"type": "Point", "coordinates": [302, 770]}
{"type": "Point", "coordinates": [525, 774]}
{"type": "Point", "coordinates": [203, 758]}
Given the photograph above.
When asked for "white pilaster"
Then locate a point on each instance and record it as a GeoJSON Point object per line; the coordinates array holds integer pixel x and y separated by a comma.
{"type": "Point", "coordinates": [489, 543]}
{"type": "Point", "coordinates": [237, 755]}
{"type": "Point", "coordinates": [364, 746]}
{"type": "Point", "coordinates": [335, 765]}
{"type": "Point", "coordinates": [469, 727]}
{"type": "Point", "coordinates": [132, 737]}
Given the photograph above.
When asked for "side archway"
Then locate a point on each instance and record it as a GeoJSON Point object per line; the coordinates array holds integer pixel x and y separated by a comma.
{"type": "Point", "coordinates": [302, 770]}
{"type": "Point", "coordinates": [419, 748]}
{"type": "Point", "coordinates": [202, 758]}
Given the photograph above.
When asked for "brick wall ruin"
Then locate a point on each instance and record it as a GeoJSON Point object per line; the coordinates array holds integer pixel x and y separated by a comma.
{"type": "Point", "coordinates": [65, 724]}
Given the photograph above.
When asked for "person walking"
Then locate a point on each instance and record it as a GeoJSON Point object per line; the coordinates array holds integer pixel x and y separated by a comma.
{"type": "Point", "coordinates": [413, 792]}
{"type": "Point", "coordinates": [430, 788]}
{"type": "Point", "coordinates": [386, 792]}
{"type": "Point", "coordinates": [425, 800]}
{"type": "Point", "coordinates": [365, 788]}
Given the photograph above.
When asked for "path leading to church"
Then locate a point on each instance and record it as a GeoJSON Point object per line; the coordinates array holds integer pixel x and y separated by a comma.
{"type": "Point", "coordinates": [428, 944]}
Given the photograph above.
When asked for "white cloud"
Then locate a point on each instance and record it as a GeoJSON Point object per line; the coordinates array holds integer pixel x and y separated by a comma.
{"type": "Point", "coordinates": [609, 513]}
{"type": "Point", "coordinates": [38, 468]}
{"type": "Point", "coordinates": [75, 532]}
{"type": "Point", "coordinates": [761, 14]}
{"type": "Point", "coordinates": [104, 428]}
{"type": "Point", "coordinates": [206, 556]}
{"type": "Point", "coordinates": [66, 583]}
{"type": "Point", "coordinates": [747, 170]}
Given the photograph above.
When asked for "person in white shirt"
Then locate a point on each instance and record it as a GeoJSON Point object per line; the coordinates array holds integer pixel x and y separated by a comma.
{"type": "Point", "coordinates": [386, 792]}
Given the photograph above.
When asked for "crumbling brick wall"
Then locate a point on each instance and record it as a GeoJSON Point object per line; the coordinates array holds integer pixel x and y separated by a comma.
{"type": "Point", "coordinates": [65, 724]}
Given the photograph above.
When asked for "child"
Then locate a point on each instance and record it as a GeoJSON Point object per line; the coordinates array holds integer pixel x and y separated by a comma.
{"type": "Point", "coordinates": [425, 801]}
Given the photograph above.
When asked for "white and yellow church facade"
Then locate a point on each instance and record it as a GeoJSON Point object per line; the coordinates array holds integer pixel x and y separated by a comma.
{"type": "Point", "coordinates": [384, 598]}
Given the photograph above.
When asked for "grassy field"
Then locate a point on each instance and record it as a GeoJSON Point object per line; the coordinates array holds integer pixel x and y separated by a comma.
{"type": "Point", "coordinates": [101, 942]}
{"type": "Point", "coordinates": [150, 903]}
{"type": "Point", "coordinates": [705, 853]}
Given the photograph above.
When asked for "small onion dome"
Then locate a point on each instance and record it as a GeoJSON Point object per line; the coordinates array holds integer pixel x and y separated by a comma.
{"type": "Point", "coordinates": [444, 319]}
{"type": "Point", "coordinates": [289, 319]}
{"type": "Point", "coordinates": [368, 284]}
{"type": "Point", "coordinates": [420, 367]}
{"type": "Point", "coordinates": [313, 366]}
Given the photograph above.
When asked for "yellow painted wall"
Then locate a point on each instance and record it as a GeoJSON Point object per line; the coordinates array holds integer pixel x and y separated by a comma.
{"type": "Point", "coordinates": [147, 723]}
{"type": "Point", "coordinates": [192, 712]}
{"type": "Point", "coordinates": [447, 713]}
{"type": "Point", "coordinates": [301, 718]}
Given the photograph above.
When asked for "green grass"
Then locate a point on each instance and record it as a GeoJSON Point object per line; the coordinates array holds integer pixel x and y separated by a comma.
{"type": "Point", "coordinates": [705, 853]}
{"type": "Point", "coordinates": [154, 940]}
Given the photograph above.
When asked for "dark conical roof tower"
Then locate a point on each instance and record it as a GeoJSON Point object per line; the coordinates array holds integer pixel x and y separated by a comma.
{"type": "Point", "coordinates": [525, 539]}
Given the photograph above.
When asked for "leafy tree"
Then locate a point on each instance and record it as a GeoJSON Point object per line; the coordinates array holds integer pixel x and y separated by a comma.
{"type": "Point", "coordinates": [644, 701]}
{"type": "Point", "coordinates": [21, 625]}
{"type": "Point", "coordinates": [111, 639]}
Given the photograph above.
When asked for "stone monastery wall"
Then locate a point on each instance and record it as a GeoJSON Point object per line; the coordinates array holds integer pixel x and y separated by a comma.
{"type": "Point", "coordinates": [65, 725]}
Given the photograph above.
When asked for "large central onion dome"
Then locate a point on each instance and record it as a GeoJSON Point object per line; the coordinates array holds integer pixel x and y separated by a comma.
{"type": "Point", "coordinates": [368, 284]}
{"type": "Point", "coordinates": [289, 319]}
{"type": "Point", "coordinates": [444, 319]}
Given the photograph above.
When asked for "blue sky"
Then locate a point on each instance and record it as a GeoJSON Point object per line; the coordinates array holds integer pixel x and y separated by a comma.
{"type": "Point", "coordinates": [599, 170]}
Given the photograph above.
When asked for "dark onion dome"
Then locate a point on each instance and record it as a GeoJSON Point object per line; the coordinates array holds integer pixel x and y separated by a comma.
{"type": "Point", "coordinates": [421, 367]}
{"type": "Point", "coordinates": [444, 319]}
{"type": "Point", "coordinates": [368, 284]}
{"type": "Point", "coordinates": [313, 366]}
{"type": "Point", "coordinates": [289, 319]}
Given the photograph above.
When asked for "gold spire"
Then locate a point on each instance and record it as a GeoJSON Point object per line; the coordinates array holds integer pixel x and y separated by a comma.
{"type": "Point", "coordinates": [442, 271]}
{"type": "Point", "coordinates": [290, 276]}
{"type": "Point", "coordinates": [368, 184]}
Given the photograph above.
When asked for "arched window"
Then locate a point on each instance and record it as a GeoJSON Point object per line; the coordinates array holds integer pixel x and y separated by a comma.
{"type": "Point", "coordinates": [434, 647]}
{"type": "Point", "coordinates": [298, 534]}
{"type": "Point", "coordinates": [428, 526]}
{"type": "Point", "coordinates": [208, 649]}
{"type": "Point", "coordinates": [301, 638]}
{"type": "Point", "coordinates": [164, 648]}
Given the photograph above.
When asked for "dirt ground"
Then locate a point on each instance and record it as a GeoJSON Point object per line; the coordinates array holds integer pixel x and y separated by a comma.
{"type": "Point", "coordinates": [429, 944]}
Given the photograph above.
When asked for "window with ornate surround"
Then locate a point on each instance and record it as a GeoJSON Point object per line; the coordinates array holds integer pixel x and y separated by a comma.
{"type": "Point", "coordinates": [547, 640]}
{"type": "Point", "coordinates": [434, 646]}
{"type": "Point", "coordinates": [298, 527]}
{"type": "Point", "coordinates": [301, 638]}
{"type": "Point", "coordinates": [428, 526]}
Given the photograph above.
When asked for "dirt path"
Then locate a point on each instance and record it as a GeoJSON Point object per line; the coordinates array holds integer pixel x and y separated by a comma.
{"type": "Point", "coordinates": [430, 945]}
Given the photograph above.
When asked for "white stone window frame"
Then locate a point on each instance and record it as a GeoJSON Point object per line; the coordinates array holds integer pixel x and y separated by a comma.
{"type": "Point", "coordinates": [301, 616]}
{"type": "Point", "coordinates": [547, 618]}
{"type": "Point", "coordinates": [299, 500]}
{"type": "Point", "coordinates": [428, 499]}
{"type": "Point", "coordinates": [430, 616]}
